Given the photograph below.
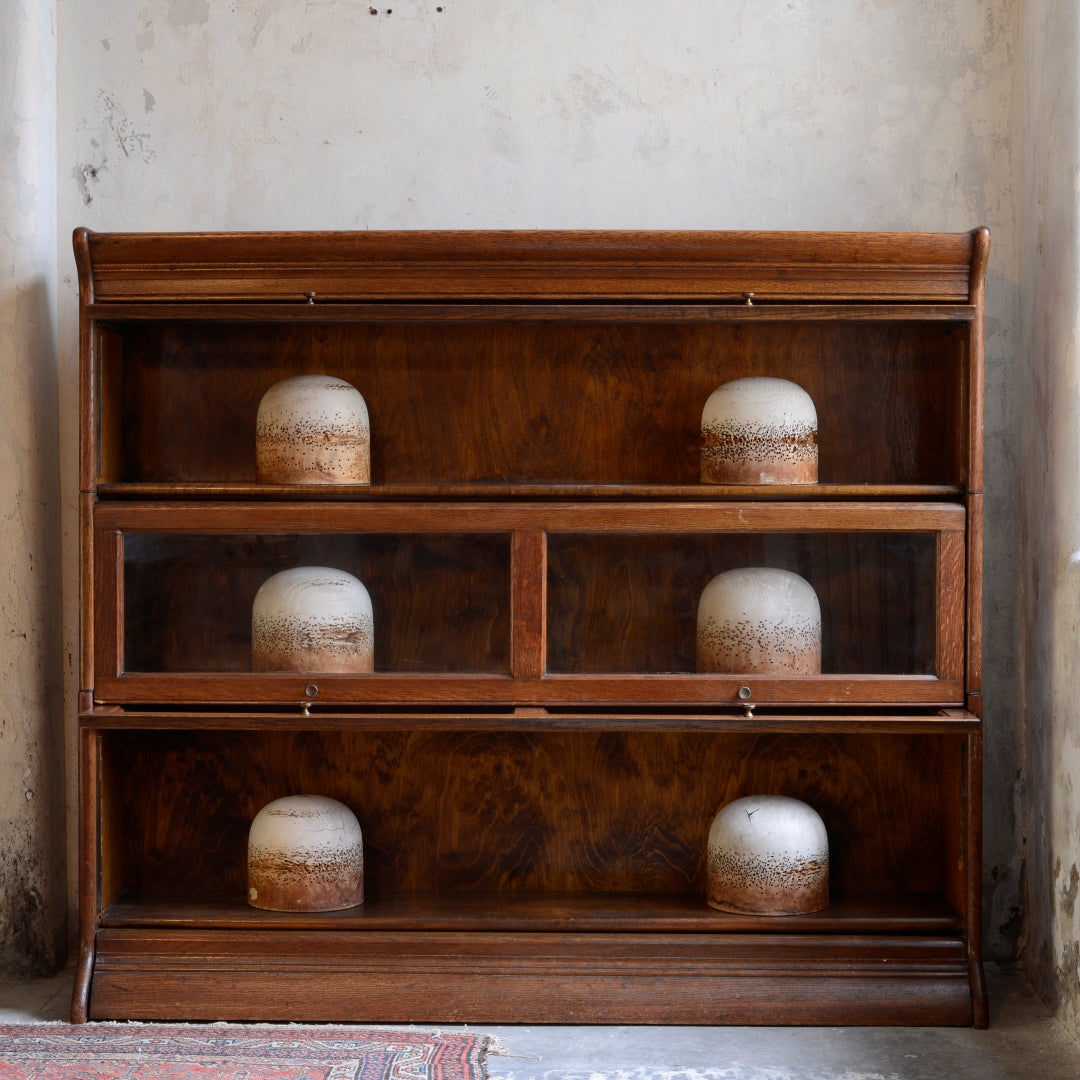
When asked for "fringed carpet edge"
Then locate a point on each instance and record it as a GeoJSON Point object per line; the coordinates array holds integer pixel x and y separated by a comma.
{"type": "Point", "coordinates": [134, 1051]}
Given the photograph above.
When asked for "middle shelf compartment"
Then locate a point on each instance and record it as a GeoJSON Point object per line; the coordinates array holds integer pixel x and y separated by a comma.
{"type": "Point", "coordinates": [529, 604]}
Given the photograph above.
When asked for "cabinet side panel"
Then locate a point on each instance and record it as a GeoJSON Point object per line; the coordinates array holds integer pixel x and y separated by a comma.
{"type": "Point", "coordinates": [974, 594]}
{"type": "Point", "coordinates": [87, 608]}
{"type": "Point", "coordinates": [108, 602]}
{"type": "Point", "coordinates": [980, 255]}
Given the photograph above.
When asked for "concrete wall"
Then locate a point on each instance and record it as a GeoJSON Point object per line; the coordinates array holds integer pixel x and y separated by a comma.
{"type": "Point", "coordinates": [1050, 486]}
{"type": "Point", "coordinates": [840, 114]}
{"type": "Point", "coordinates": [32, 901]}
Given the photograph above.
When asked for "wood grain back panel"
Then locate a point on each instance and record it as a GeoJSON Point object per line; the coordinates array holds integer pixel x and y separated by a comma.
{"type": "Point", "coordinates": [513, 811]}
{"type": "Point", "coordinates": [521, 402]}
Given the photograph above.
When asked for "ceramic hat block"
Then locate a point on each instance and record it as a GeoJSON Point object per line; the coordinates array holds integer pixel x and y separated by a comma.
{"type": "Point", "coordinates": [759, 431]}
{"type": "Point", "coordinates": [768, 855]}
{"type": "Point", "coordinates": [759, 620]}
{"type": "Point", "coordinates": [312, 618]}
{"type": "Point", "coordinates": [305, 853]}
{"type": "Point", "coordinates": [313, 429]}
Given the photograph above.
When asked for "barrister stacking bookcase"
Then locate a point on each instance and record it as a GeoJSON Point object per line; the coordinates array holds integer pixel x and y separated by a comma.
{"type": "Point", "coordinates": [534, 760]}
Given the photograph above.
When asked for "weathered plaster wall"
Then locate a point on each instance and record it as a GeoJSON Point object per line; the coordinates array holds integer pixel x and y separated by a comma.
{"type": "Point", "coordinates": [842, 114]}
{"type": "Point", "coordinates": [32, 901]}
{"type": "Point", "coordinates": [1050, 484]}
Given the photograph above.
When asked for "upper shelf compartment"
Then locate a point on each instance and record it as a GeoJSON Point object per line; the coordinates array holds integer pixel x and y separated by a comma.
{"type": "Point", "coordinates": [510, 363]}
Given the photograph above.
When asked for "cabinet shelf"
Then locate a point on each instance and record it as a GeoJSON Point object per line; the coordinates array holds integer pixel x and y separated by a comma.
{"type": "Point", "coordinates": [919, 913]}
{"type": "Point", "coordinates": [553, 719]}
{"type": "Point", "coordinates": [534, 758]}
{"type": "Point", "coordinates": [116, 314]}
{"type": "Point", "coordinates": [377, 493]}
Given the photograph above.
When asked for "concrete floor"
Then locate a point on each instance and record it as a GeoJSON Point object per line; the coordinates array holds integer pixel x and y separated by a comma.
{"type": "Point", "coordinates": [1024, 1042]}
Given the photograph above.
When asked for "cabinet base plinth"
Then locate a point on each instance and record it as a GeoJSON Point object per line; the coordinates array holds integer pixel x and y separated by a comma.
{"type": "Point", "coordinates": [311, 976]}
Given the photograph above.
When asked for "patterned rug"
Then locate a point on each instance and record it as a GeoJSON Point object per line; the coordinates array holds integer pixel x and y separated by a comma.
{"type": "Point", "coordinates": [236, 1052]}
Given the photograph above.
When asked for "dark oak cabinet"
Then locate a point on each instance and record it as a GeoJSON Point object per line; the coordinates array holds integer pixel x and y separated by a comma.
{"type": "Point", "coordinates": [534, 760]}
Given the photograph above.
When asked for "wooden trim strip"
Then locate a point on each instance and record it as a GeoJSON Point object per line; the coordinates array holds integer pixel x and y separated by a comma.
{"type": "Point", "coordinates": [973, 592]}
{"type": "Point", "coordinates": [551, 517]}
{"type": "Point", "coordinates": [617, 689]}
{"type": "Point", "coordinates": [900, 721]}
{"type": "Point", "coordinates": [89, 840]}
{"type": "Point", "coordinates": [734, 311]}
{"type": "Point", "coordinates": [661, 265]}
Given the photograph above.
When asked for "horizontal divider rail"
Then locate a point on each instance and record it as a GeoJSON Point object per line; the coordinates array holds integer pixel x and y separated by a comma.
{"type": "Point", "coordinates": [555, 517]}
{"type": "Point", "coordinates": [491, 490]}
{"type": "Point", "coordinates": [933, 721]}
{"type": "Point", "coordinates": [734, 311]}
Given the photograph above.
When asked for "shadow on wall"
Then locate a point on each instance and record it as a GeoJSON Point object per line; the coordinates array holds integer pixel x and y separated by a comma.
{"type": "Point", "coordinates": [1003, 885]}
{"type": "Point", "coordinates": [1050, 510]}
{"type": "Point", "coordinates": [33, 901]}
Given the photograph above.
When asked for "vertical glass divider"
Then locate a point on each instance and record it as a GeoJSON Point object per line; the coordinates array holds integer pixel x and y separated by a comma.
{"type": "Point", "coordinates": [528, 569]}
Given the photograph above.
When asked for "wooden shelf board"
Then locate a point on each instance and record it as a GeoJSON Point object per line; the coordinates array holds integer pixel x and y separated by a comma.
{"type": "Point", "coordinates": [519, 491]}
{"type": "Point", "coordinates": [118, 718]}
{"type": "Point", "coordinates": [581, 312]}
{"type": "Point", "coordinates": [922, 914]}
{"type": "Point", "coordinates": [571, 516]}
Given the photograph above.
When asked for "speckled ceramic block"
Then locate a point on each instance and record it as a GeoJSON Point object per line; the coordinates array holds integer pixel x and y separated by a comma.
{"type": "Point", "coordinates": [305, 853]}
{"type": "Point", "coordinates": [759, 431]}
{"type": "Point", "coordinates": [759, 620]}
{"type": "Point", "coordinates": [768, 855]}
{"type": "Point", "coordinates": [312, 618]}
{"type": "Point", "coordinates": [313, 429]}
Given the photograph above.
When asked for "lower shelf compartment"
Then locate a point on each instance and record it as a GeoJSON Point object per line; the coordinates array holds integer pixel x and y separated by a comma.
{"type": "Point", "coordinates": [452, 977]}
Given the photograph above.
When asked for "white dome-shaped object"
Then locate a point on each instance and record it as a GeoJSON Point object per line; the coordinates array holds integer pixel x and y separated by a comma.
{"type": "Point", "coordinates": [312, 618]}
{"type": "Point", "coordinates": [768, 855]}
{"type": "Point", "coordinates": [305, 853]}
{"type": "Point", "coordinates": [759, 620]}
{"type": "Point", "coordinates": [759, 431]}
{"type": "Point", "coordinates": [313, 429]}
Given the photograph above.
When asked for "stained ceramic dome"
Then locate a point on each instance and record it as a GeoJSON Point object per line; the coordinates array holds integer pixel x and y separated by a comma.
{"type": "Point", "coordinates": [759, 430]}
{"type": "Point", "coordinates": [305, 853]}
{"type": "Point", "coordinates": [768, 855]}
{"type": "Point", "coordinates": [759, 620]}
{"type": "Point", "coordinates": [312, 618]}
{"type": "Point", "coordinates": [313, 429]}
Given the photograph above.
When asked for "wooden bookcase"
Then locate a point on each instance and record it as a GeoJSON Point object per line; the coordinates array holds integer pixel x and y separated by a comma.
{"type": "Point", "coordinates": [534, 761]}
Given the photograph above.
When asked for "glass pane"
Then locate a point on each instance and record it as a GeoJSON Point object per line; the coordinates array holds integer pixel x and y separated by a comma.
{"type": "Point", "coordinates": [629, 603]}
{"type": "Point", "coordinates": [438, 603]}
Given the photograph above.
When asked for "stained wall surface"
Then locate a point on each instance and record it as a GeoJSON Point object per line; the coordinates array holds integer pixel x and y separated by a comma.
{"type": "Point", "coordinates": [32, 878]}
{"type": "Point", "coordinates": [833, 114]}
{"type": "Point", "coordinates": [1050, 487]}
